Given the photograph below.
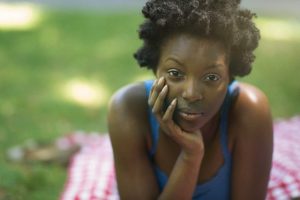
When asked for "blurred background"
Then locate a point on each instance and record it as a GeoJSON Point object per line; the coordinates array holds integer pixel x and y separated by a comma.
{"type": "Point", "coordinates": [61, 60]}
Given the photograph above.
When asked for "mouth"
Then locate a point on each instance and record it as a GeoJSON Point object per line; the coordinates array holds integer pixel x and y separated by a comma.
{"type": "Point", "coordinates": [190, 115]}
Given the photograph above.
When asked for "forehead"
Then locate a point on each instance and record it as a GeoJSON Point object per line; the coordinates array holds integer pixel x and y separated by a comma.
{"type": "Point", "coordinates": [193, 48]}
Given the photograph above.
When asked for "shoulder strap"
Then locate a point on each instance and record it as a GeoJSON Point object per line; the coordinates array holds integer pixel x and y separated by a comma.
{"type": "Point", "coordinates": [224, 118]}
{"type": "Point", "coordinates": [153, 122]}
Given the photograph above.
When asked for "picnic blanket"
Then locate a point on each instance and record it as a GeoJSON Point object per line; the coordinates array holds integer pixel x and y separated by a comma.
{"type": "Point", "coordinates": [91, 174]}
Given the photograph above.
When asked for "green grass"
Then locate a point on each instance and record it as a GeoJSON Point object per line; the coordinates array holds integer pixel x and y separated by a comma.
{"type": "Point", "coordinates": [276, 70]}
{"type": "Point", "coordinates": [95, 48]}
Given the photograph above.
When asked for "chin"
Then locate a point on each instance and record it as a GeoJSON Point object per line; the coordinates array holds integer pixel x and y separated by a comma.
{"type": "Point", "coordinates": [193, 125]}
{"type": "Point", "coordinates": [190, 127]}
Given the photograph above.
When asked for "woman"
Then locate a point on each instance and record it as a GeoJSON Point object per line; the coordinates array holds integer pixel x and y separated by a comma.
{"type": "Point", "coordinates": [194, 132]}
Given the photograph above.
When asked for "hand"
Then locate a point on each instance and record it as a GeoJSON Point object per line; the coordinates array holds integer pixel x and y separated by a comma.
{"type": "Point", "coordinates": [191, 143]}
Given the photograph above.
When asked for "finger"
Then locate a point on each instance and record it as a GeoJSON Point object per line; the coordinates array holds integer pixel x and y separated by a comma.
{"type": "Point", "coordinates": [168, 116]}
{"type": "Point", "coordinates": [153, 85]}
{"type": "Point", "coordinates": [153, 94]}
{"type": "Point", "coordinates": [158, 105]}
{"type": "Point", "coordinates": [174, 131]}
{"type": "Point", "coordinates": [155, 90]}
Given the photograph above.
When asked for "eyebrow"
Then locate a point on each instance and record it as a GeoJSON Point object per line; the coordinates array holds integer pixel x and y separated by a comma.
{"type": "Point", "coordinates": [172, 58]}
{"type": "Point", "coordinates": [214, 65]}
{"type": "Point", "coordinates": [210, 66]}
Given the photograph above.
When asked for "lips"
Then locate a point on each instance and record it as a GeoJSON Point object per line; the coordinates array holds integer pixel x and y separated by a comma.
{"type": "Point", "coordinates": [190, 115]}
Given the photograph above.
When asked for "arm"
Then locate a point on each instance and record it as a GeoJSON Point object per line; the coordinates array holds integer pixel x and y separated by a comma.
{"type": "Point", "coordinates": [135, 176]}
{"type": "Point", "coordinates": [183, 178]}
{"type": "Point", "coordinates": [253, 147]}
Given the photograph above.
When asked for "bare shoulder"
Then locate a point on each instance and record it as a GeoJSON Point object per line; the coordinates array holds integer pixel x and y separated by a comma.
{"type": "Point", "coordinates": [129, 95]}
{"type": "Point", "coordinates": [128, 104]}
{"type": "Point", "coordinates": [252, 97]}
{"type": "Point", "coordinates": [251, 109]}
{"type": "Point", "coordinates": [128, 109]}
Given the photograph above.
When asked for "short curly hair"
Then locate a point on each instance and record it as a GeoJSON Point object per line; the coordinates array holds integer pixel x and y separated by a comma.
{"type": "Point", "coordinates": [220, 19]}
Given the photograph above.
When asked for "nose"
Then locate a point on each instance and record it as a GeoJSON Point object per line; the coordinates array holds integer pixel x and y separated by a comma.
{"type": "Point", "coordinates": [193, 91]}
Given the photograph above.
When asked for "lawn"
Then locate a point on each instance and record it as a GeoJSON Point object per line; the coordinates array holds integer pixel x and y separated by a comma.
{"type": "Point", "coordinates": [91, 52]}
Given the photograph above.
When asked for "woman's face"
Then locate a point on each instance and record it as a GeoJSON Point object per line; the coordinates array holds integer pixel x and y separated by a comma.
{"type": "Point", "coordinates": [197, 74]}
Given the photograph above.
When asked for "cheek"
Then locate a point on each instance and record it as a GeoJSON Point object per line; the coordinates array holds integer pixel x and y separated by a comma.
{"type": "Point", "coordinates": [216, 98]}
{"type": "Point", "coordinates": [174, 91]}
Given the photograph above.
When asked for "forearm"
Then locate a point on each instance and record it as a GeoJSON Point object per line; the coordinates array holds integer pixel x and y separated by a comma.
{"type": "Point", "coordinates": [183, 178]}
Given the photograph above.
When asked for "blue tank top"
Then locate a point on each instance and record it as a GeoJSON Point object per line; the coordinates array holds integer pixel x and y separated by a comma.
{"type": "Point", "coordinates": [218, 187]}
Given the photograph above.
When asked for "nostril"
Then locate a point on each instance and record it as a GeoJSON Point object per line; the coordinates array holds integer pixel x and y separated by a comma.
{"type": "Point", "coordinates": [193, 91]}
{"type": "Point", "coordinates": [193, 96]}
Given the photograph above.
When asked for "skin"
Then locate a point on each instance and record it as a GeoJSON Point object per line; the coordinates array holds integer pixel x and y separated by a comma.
{"type": "Point", "coordinates": [192, 79]}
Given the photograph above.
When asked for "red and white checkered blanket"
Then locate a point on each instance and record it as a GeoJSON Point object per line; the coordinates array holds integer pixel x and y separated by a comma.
{"type": "Point", "coordinates": [91, 173]}
{"type": "Point", "coordinates": [285, 175]}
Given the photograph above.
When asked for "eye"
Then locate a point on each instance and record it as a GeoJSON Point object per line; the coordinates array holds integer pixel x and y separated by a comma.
{"type": "Point", "coordinates": [212, 77]}
{"type": "Point", "coordinates": [174, 73]}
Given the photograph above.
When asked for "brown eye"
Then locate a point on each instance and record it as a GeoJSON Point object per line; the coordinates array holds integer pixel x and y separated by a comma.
{"type": "Point", "coordinates": [175, 73]}
{"type": "Point", "coordinates": [212, 77]}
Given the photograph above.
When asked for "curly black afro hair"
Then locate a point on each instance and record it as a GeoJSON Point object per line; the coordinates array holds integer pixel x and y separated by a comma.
{"type": "Point", "coordinates": [220, 19]}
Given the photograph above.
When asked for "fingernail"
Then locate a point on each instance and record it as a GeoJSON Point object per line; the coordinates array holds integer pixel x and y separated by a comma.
{"type": "Point", "coordinates": [165, 88]}
{"type": "Point", "coordinates": [174, 101]}
{"type": "Point", "coordinates": [160, 80]}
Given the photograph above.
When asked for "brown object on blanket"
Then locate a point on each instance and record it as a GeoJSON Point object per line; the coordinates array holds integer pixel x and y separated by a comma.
{"type": "Point", "coordinates": [37, 152]}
